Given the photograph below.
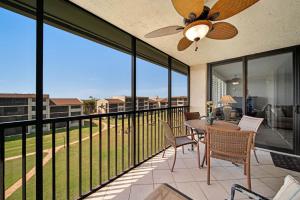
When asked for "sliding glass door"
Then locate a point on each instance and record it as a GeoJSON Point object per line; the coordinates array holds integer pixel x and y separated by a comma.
{"type": "Point", "coordinates": [270, 96]}
{"type": "Point", "coordinates": [264, 85]}
{"type": "Point", "coordinates": [227, 91]}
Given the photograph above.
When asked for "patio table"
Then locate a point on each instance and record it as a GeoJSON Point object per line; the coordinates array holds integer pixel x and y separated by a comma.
{"type": "Point", "coordinates": [201, 124]}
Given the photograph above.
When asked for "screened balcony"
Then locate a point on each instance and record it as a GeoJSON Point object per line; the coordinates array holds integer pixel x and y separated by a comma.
{"type": "Point", "coordinates": [84, 96]}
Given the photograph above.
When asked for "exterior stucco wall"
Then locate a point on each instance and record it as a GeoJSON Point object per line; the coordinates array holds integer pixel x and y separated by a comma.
{"type": "Point", "coordinates": [198, 88]}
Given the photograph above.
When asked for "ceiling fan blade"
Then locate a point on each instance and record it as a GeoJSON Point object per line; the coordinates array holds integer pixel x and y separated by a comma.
{"type": "Point", "coordinates": [222, 31]}
{"type": "Point", "coordinates": [183, 44]}
{"type": "Point", "coordinates": [186, 7]}
{"type": "Point", "coordinates": [169, 30]}
{"type": "Point", "coordinates": [224, 9]}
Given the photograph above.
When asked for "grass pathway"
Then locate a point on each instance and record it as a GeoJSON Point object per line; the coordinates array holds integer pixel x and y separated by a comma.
{"type": "Point", "coordinates": [19, 156]}
{"type": "Point", "coordinates": [9, 191]}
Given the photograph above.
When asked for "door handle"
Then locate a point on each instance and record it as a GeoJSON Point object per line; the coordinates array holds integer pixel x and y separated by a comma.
{"type": "Point", "coordinates": [297, 109]}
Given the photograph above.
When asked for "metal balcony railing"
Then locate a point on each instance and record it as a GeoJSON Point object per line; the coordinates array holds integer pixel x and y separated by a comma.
{"type": "Point", "coordinates": [80, 158]}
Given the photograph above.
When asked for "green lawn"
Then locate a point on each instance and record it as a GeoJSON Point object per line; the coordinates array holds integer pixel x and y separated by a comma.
{"type": "Point", "coordinates": [13, 144]}
{"type": "Point", "coordinates": [14, 169]}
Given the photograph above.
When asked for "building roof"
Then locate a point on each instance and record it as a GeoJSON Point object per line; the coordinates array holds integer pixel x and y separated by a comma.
{"type": "Point", "coordinates": [162, 100]}
{"type": "Point", "coordinates": [142, 97]}
{"type": "Point", "coordinates": [115, 101]}
{"type": "Point", "coordinates": [152, 101]}
{"type": "Point", "coordinates": [17, 95]}
{"type": "Point", "coordinates": [65, 101]}
{"type": "Point", "coordinates": [123, 96]}
{"type": "Point", "coordinates": [179, 97]}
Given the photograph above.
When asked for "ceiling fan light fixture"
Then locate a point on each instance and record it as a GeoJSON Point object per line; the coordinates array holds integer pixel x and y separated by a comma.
{"type": "Point", "coordinates": [197, 32]}
{"type": "Point", "coordinates": [235, 80]}
{"type": "Point", "coordinates": [198, 21]}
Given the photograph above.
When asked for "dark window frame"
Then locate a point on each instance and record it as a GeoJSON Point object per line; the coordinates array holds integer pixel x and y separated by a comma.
{"type": "Point", "coordinates": [36, 10]}
{"type": "Point", "coordinates": [295, 50]}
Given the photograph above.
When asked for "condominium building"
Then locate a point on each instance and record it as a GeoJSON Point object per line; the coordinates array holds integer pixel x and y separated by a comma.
{"type": "Point", "coordinates": [16, 107]}
{"type": "Point", "coordinates": [162, 102]}
{"type": "Point", "coordinates": [110, 105]}
{"type": "Point", "coordinates": [65, 107]}
{"type": "Point", "coordinates": [121, 103]}
{"type": "Point", "coordinates": [142, 103]}
{"type": "Point", "coordinates": [179, 101]}
{"type": "Point", "coordinates": [153, 104]}
{"type": "Point", "coordinates": [124, 103]}
{"type": "Point", "coordinates": [127, 101]}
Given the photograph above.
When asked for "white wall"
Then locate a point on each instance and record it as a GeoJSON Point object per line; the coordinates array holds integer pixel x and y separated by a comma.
{"type": "Point", "coordinates": [198, 88]}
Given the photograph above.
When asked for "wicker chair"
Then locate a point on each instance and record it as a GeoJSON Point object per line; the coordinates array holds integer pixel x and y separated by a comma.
{"type": "Point", "coordinates": [251, 124]}
{"type": "Point", "coordinates": [229, 145]}
{"type": "Point", "coordinates": [194, 116]}
{"type": "Point", "coordinates": [288, 191]}
{"type": "Point", "coordinates": [191, 115]}
{"type": "Point", "coordinates": [171, 140]}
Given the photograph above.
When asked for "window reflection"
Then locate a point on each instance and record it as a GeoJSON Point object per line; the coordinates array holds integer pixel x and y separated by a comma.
{"type": "Point", "coordinates": [270, 96]}
{"type": "Point", "coordinates": [227, 91]}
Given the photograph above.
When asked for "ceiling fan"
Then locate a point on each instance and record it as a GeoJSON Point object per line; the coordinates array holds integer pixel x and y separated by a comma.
{"type": "Point", "coordinates": [198, 21]}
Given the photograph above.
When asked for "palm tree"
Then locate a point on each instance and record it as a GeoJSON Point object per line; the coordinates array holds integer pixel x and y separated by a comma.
{"type": "Point", "coordinates": [89, 106]}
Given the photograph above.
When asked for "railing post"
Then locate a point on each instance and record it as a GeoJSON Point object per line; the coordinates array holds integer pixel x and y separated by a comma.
{"type": "Point", "coordinates": [100, 150]}
{"type": "Point", "coordinates": [91, 152]}
{"type": "Point", "coordinates": [108, 146]}
{"type": "Point", "coordinates": [80, 158]}
{"type": "Point", "coordinates": [23, 162]}
{"type": "Point", "coordinates": [68, 160]}
{"type": "Point", "coordinates": [2, 162]}
{"type": "Point", "coordinates": [53, 162]}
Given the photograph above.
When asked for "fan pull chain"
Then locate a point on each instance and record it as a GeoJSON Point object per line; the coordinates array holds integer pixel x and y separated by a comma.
{"type": "Point", "coordinates": [196, 46]}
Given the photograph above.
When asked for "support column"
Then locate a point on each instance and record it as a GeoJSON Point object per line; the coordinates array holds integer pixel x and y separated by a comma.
{"type": "Point", "coordinates": [39, 99]}
{"type": "Point", "coordinates": [169, 89]}
{"type": "Point", "coordinates": [133, 96]}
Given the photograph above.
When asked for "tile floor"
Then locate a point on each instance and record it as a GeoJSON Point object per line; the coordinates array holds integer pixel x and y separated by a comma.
{"type": "Point", "coordinates": [187, 178]}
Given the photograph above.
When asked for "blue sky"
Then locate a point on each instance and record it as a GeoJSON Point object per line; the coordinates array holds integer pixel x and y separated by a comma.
{"type": "Point", "coordinates": [73, 66]}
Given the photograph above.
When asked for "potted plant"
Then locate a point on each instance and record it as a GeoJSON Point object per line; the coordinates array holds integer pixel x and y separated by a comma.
{"type": "Point", "coordinates": [210, 110]}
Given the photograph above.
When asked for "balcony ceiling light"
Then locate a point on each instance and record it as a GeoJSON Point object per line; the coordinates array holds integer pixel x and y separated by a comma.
{"type": "Point", "coordinates": [235, 80]}
{"type": "Point", "coordinates": [197, 30]}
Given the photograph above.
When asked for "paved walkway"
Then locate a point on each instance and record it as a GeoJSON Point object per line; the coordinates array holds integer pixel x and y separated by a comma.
{"type": "Point", "coordinates": [9, 191]}
{"type": "Point", "coordinates": [19, 156]}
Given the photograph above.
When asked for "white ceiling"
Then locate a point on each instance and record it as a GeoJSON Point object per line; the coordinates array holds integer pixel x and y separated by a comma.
{"type": "Point", "coordinates": [267, 25]}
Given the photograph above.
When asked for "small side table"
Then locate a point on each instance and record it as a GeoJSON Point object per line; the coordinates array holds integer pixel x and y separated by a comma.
{"type": "Point", "coordinates": [166, 192]}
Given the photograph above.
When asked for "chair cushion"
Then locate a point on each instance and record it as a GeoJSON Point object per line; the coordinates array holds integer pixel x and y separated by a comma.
{"type": "Point", "coordinates": [183, 140]}
{"type": "Point", "coordinates": [290, 190]}
{"type": "Point", "coordinates": [250, 123]}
